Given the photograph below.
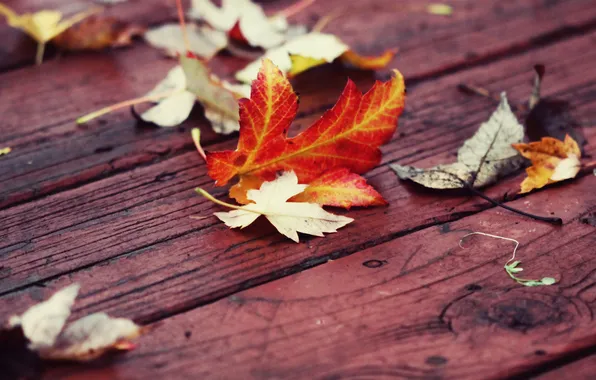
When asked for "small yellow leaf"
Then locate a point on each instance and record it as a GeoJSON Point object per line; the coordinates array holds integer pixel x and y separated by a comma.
{"type": "Point", "coordinates": [6, 150]}
{"type": "Point", "coordinates": [43, 25]}
{"type": "Point", "coordinates": [552, 161]}
{"type": "Point", "coordinates": [439, 9]}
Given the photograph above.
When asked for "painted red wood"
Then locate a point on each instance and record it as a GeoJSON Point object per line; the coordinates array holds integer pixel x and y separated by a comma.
{"type": "Point", "coordinates": [582, 369]}
{"type": "Point", "coordinates": [417, 306]}
{"type": "Point", "coordinates": [51, 153]}
{"type": "Point", "coordinates": [154, 260]}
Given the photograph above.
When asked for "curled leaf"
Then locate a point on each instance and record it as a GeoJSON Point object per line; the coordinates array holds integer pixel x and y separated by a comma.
{"type": "Point", "coordinates": [552, 161]}
{"type": "Point", "coordinates": [96, 32]}
{"type": "Point", "coordinates": [482, 159]}
{"type": "Point", "coordinates": [85, 339]}
{"type": "Point", "coordinates": [90, 337]}
{"type": "Point", "coordinates": [42, 323]}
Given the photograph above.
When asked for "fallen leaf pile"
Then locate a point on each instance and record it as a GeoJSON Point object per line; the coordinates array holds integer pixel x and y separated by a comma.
{"type": "Point", "coordinates": [43, 325]}
{"type": "Point", "coordinates": [347, 136]}
{"type": "Point", "coordinates": [325, 159]}
{"type": "Point", "coordinates": [552, 161]}
{"type": "Point", "coordinates": [176, 95]}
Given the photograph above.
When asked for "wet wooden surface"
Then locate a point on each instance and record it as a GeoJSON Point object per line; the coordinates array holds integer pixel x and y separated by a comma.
{"type": "Point", "coordinates": [107, 205]}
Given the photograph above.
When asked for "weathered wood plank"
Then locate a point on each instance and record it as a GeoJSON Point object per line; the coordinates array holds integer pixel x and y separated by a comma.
{"type": "Point", "coordinates": [582, 369]}
{"type": "Point", "coordinates": [156, 261]}
{"type": "Point", "coordinates": [50, 153]}
{"type": "Point", "coordinates": [418, 306]}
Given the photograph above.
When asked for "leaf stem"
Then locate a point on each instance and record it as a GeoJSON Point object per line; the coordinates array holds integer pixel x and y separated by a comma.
{"type": "Point", "coordinates": [196, 138]}
{"type": "Point", "coordinates": [588, 166]}
{"type": "Point", "coordinates": [325, 20]}
{"type": "Point", "coordinates": [471, 89]}
{"type": "Point", "coordinates": [548, 219]}
{"type": "Point", "coordinates": [295, 8]}
{"type": "Point", "coordinates": [215, 200]}
{"type": "Point", "coordinates": [124, 104]}
{"type": "Point", "coordinates": [41, 47]}
{"type": "Point", "coordinates": [182, 24]}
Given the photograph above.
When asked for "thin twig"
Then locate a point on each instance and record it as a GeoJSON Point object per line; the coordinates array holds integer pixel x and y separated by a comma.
{"type": "Point", "coordinates": [295, 8]}
{"type": "Point", "coordinates": [196, 138]}
{"type": "Point", "coordinates": [481, 91]}
{"type": "Point", "coordinates": [493, 236]}
{"type": "Point", "coordinates": [127, 103]}
{"type": "Point", "coordinates": [325, 20]}
{"type": "Point", "coordinates": [182, 24]}
{"type": "Point", "coordinates": [548, 219]}
{"type": "Point", "coordinates": [41, 47]}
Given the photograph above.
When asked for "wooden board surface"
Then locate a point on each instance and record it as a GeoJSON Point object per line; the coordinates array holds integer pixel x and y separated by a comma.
{"type": "Point", "coordinates": [51, 153]}
{"type": "Point", "coordinates": [138, 222]}
{"type": "Point", "coordinates": [417, 306]}
{"type": "Point", "coordinates": [107, 204]}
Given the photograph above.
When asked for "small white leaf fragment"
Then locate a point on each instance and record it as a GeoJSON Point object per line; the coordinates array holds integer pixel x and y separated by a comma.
{"type": "Point", "coordinates": [84, 339]}
{"type": "Point", "coordinates": [484, 158]}
{"type": "Point", "coordinates": [203, 41]}
{"type": "Point", "coordinates": [289, 218]}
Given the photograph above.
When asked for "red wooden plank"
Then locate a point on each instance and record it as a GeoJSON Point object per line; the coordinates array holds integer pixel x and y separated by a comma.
{"type": "Point", "coordinates": [418, 306]}
{"type": "Point", "coordinates": [155, 261]}
{"type": "Point", "coordinates": [582, 369]}
{"type": "Point", "coordinates": [50, 153]}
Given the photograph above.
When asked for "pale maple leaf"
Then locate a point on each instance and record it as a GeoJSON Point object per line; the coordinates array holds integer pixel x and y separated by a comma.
{"type": "Point", "coordinates": [85, 339]}
{"type": "Point", "coordinates": [289, 218]}
{"type": "Point", "coordinates": [481, 161]}
{"type": "Point", "coordinates": [552, 161]}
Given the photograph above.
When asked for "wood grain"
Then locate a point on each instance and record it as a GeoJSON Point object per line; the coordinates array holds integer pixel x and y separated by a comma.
{"type": "Point", "coordinates": [129, 238]}
{"type": "Point", "coordinates": [51, 153]}
{"type": "Point", "coordinates": [417, 306]}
